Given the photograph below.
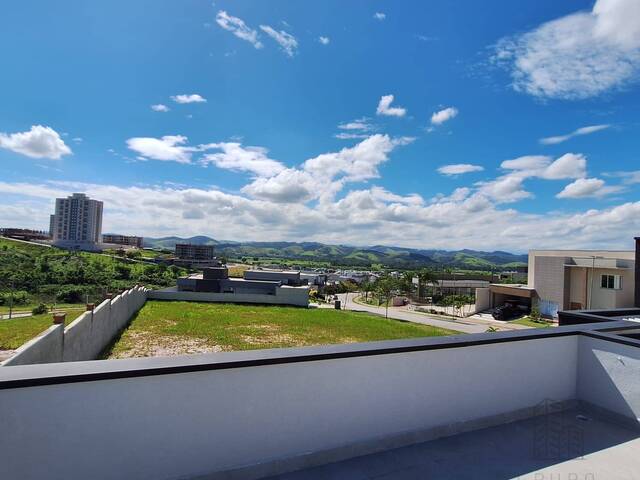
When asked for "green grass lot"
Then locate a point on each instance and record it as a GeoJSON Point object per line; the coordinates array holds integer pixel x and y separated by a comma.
{"type": "Point", "coordinates": [174, 328]}
{"type": "Point", "coordinates": [4, 309]}
{"type": "Point", "coordinates": [17, 331]}
{"type": "Point", "coordinates": [529, 322]}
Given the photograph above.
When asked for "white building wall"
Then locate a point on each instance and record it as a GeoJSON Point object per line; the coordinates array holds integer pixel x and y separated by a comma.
{"type": "Point", "coordinates": [183, 425]}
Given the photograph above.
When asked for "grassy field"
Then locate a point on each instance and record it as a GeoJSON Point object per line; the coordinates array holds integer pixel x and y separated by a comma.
{"type": "Point", "coordinates": [17, 331]}
{"type": "Point", "coordinates": [4, 309]}
{"type": "Point", "coordinates": [529, 322]}
{"type": "Point", "coordinates": [175, 328]}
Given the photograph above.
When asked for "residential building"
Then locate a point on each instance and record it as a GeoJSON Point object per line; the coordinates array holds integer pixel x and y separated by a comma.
{"type": "Point", "coordinates": [127, 240]}
{"type": "Point", "coordinates": [189, 251]}
{"type": "Point", "coordinates": [77, 222]}
{"type": "Point", "coordinates": [214, 285]}
{"type": "Point", "coordinates": [286, 277]}
{"type": "Point", "coordinates": [24, 234]}
{"type": "Point", "coordinates": [572, 280]}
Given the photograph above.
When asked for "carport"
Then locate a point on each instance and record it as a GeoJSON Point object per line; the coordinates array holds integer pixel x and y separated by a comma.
{"type": "Point", "coordinates": [519, 294]}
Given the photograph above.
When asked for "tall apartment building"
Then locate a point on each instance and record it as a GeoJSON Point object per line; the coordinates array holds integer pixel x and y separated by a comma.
{"type": "Point", "coordinates": [77, 222]}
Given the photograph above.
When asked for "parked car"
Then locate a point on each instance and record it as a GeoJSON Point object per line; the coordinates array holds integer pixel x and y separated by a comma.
{"type": "Point", "coordinates": [509, 311]}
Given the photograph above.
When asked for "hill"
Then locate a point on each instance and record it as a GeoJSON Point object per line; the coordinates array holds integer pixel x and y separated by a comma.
{"type": "Point", "coordinates": [345, 255]}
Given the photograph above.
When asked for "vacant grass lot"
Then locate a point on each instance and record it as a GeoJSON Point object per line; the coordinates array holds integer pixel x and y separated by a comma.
{"type": "Point", "coordinates": [17, 331]}
{"type": "Point", "coordinates": [175, 328]}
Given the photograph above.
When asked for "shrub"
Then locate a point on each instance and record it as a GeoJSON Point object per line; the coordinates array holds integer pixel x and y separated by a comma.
{"type": "Point", "coordinates": [40, 309]}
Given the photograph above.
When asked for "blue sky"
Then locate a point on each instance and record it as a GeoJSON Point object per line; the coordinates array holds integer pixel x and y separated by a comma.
{"type": "Point", "coordinates": [427, 124]}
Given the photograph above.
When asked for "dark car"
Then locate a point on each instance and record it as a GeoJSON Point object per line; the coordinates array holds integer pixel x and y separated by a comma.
{"type": "Point", "coordinates": [505, 312]}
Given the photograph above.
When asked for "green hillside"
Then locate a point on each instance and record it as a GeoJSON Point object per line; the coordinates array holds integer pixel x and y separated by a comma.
{"type": "Point", "coordinates": [343, 255]}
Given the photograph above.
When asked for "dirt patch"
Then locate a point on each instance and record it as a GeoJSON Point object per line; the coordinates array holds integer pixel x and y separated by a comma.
{"type": "Point", "coordinates": [148, 345]}
{"type": "Point", "coordinates": [272, 338]}
{"type": "Point", "coordinates": [4, 354]}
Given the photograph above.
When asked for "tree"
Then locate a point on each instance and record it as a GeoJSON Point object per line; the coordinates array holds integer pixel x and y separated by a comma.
{"type": "Point", "coordinates": [385, 287]}
{"type": "Point", "coordinates": [425, 276]}
{"type": "Point", "coordinates": [366, 287]}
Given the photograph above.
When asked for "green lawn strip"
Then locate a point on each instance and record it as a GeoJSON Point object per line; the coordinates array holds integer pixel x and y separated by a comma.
{"type": "Point", "coordinates": [4, 309]}
{"type": "Point", "coordinates": [17, 331]}
{"type": "Point", "coordinates": [529, 322]}
{"type": "Point", "coordinates": [244, 327]}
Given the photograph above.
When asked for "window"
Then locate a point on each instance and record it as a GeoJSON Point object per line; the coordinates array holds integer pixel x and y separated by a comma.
{"type": "Point", "coordinates": [613, 282]}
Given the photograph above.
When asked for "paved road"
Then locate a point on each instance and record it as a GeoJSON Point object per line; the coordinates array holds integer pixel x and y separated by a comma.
{"type": "Point", "coordinates": [5, 316]}
{"type": "Point", "coordinates": [466, 325]}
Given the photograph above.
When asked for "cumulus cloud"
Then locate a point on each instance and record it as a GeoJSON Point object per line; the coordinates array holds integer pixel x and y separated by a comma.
{"type": "Point", "coordinates": [240, 29]}
{"type": "Point", "coordinates": [159, 107]}
{"type": "Point", "coordinates": [568, 166]}
{"type": "Point", "coordinates": [167, 148]}
{"type": "Point", "coordinates": [39, 142]}
{"type": "Point", "coordinates": [441, 116]}
{"type": "Point", "coordinates": [324, 40]}
{"type": "Point", "coordinates": [287, 42]}
{"type": "Point", "coordinates": [578, 132]}
{"type": "Point", "coordinates": [379, 16]}
{"type": "Point", "coordinates": [588, 188]}
{"type": "Point", "coordinates": [233, 156]}
{"type": "Point", "coordinates": [576, 56]}
{"type": "Point", "coordinates": [188, 98]}
{"type": "Point", "coordinates": [459, 169]}
{"type": "Point", "coordinates": [361, 217]}
{"type": "Point", "coordinates": [385, 108]}
{"type": "Point", "coordinates": [323, 176]}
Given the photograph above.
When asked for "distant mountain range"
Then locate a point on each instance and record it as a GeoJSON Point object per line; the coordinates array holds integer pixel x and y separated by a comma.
{"type": "Point", "coordinates": [394, 257]}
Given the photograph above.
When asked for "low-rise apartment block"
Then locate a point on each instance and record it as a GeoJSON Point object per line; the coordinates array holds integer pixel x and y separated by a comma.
{"type": "Point", "coordinates": [127, 240]}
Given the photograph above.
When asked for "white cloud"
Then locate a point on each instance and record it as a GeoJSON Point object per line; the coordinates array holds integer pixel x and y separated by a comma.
{"type": "Point", "coordinates": [240, 29]}
{"type": "Point", "coordinates": [167, 148]}
{"type": "Point", "coordinates": [577, 56]}
{"type": "Point", "coordinates": [459, 169]}
{"type": "Point", "coordinates": [580, 131]}
{"type": "Point", "coordinates": [588, 187]}
{"type": "Point", "coordinates": [527, 162]}
{"type": "Point", "coordinates": [628, 178]}
{"type": "Point", "coordinates": [159, 107]}
{"type": "Point", "coordinates": [568, 166]}
{"type": "Point", "coordinates": [438, 118]}
{"type": "Point", "coordinates": [39, 142]}
{"type": "Point", "coordinates": [77, 139]}
{"type": "Point", "coordinates": [505, 189]}
{"type": "Point", "coordinates": [379, 16]}
{"type": "Point", "coordinates": [188, 98]}
{"type": "Point", "coordinates": [287, 42]}
{"type": "Point", "coordinates": [350, 136]}
{"type": "Point", "coordinates": [324, 40]}
{"type": "Point", "coordinates": [323, 176]}
{"type": "Point", "coordinates": [385, 108]}
{"type": "Point", "coordinates": [234, 156]}
{"type": "Point", "coordinates": [361, 217]}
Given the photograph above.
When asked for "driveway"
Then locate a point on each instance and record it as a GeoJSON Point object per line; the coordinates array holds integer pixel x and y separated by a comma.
{"type": "Point", "coordinates": [464, 325]}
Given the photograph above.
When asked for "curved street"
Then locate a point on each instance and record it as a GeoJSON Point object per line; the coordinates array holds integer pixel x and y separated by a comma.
{"type": "Point", "coordinates": [463, 325]}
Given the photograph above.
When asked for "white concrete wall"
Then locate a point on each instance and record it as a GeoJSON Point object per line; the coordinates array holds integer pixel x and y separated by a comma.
{"type": "Point", "coordinates": [483, 299]}
{"type": "Point", "coordinates": [284, 296]}
{"type": "Point", "coordinates": [46, 347]}
{"type": "Point", "coordinates": [609, 376]}
{"type": "Point", "coordinates": [182, 425]}
{"type": "Point", "coordinates": [86, 336]}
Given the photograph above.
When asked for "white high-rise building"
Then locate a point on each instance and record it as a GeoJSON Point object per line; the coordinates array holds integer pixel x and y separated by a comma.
{"type": "Point", "coordinates": [77, 222]}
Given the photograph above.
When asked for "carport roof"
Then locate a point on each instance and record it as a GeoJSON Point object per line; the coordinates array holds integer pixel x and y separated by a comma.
{"type": "Point", "coordinates": [514, 290]}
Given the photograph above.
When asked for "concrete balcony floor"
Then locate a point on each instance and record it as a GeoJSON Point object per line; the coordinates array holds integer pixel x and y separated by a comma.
{"type": "Point", "coordinates": [577, 444]}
